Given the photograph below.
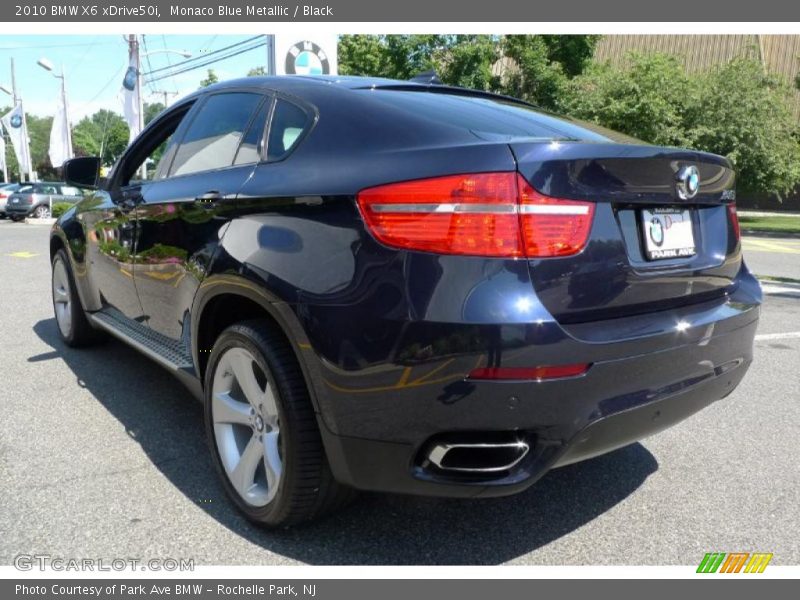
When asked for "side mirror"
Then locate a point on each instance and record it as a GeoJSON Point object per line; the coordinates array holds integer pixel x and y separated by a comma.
{"type": "Point", "coordinates": [82, 172]}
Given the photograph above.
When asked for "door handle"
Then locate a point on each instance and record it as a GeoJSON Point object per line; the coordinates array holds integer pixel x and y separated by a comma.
{"type": "Point", "coordinates": [209, 198]}
{"type": "Point", "coordinates": [130, 202]}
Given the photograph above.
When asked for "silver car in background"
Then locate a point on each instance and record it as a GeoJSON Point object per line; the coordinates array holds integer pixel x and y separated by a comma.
{"type": "Point", "coordinates": [37, 199]}
{"type": "Point", "coordinates": [6, 189]}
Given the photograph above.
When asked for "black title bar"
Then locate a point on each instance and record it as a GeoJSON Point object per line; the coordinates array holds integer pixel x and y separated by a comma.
{"type": "Point", "coordinates": [451, 11]}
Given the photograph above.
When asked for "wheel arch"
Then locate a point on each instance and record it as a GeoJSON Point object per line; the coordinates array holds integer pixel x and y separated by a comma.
{"type": "Point", "coordinates": [226, 299]}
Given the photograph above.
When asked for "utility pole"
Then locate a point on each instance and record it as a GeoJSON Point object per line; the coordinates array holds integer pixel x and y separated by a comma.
{"type": "Point", "coordinates": [271, 64]}
{"type": "Point", "coordinates": [26, 146]}
{"type": "Point", "coordinates": [166, 95]}
{"type": "Point", "coordinates": [133, 46]}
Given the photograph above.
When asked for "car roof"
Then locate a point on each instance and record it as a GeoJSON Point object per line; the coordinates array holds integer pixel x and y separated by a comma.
{"type": "Point", "coordinates": [299, 83]}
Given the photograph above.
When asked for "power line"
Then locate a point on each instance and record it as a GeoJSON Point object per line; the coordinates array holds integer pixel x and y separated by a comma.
{"type": "Point", "coordinates": [180, 71]}
{"type": "Point", "coordinates": [207, 54]}
{"type": "Point", "coordinates": [169, 62]}
{"type": "Point", "coordinates": [47, 47]}
{"type": "Point", "coordinates": [103, 89]}
{"type": "Point", "coordinates": [147, 58]}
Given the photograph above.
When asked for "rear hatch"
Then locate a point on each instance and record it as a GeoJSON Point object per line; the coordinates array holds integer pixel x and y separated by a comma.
{"type": "Point", "coordinates": [653, 245]}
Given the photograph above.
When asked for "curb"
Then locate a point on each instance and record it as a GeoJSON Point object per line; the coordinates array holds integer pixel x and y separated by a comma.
{"type": "Point", "coordinates": [33, 221]}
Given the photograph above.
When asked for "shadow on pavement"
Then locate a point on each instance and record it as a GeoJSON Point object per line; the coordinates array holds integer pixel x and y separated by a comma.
{"type": "Point", "coordinates": [166, 421]}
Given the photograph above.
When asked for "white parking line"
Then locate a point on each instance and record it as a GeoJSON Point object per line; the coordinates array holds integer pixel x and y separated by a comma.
{"type": "Point", "coordinates": [769, 288]}
{"type": "Point", "coordinates": [778, 336]}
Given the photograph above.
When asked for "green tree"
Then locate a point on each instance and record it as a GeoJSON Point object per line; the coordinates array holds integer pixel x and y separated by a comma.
{"type": "Point", "coordinates": [256, 71]}
{"type": "Point", "coordinates": [151, 111]}
{"type": "Point", "coordinates": [104, 131]}
{"type": "Point", "coordinates": [745, 114]}
{"type": "Point", "coordinates": [211, 79]}
{"type": "Point", "coordinates": [534, 68]}
{"type": "Point", "coordinates": [735, 110]}
{"type": "Point", "coordinates": [647, 99]}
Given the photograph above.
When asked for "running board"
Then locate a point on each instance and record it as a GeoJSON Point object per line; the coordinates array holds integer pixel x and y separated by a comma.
{"type": "Point", "coordinates": [167, 352]}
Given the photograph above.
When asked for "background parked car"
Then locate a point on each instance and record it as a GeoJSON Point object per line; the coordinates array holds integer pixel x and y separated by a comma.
{"type": "Point", "coordinates": [6, 189]}
{"type": "Point", "coordinates": [36, 199]}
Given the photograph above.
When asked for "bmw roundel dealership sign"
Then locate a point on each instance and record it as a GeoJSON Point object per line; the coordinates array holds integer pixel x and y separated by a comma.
{"type": "Point", "coordinates": [305, 56]}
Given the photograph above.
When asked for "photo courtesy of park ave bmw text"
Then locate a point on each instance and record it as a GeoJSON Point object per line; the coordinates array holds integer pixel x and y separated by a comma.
{"type": "Point", "coordinates": [350, 299]}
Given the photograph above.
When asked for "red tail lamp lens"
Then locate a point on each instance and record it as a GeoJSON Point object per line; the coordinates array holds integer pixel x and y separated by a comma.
{"type": "Point", "coordinates": [462, 214]}
{"type": "Point", "coordinates": [734, 218]}
{"type": "Point", "coordinates": [550, 226]}
{"type": "Point", "coordinates": [482, 214]}
{"type": "Point", "coordinates": [532, 373]}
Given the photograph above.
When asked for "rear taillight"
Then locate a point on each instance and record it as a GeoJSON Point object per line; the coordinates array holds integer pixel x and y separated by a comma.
{"type": "Point", "coordinates": [537, 373]}
{"type": "Point", "coordinates": [550, 226]}
{"type": "Point", "coordinates": [734, 218]}
{"type": "Point", "coordinates": [482, 214]}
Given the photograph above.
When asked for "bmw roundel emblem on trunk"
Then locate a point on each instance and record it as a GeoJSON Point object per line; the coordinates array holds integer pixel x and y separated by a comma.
{"type": "Point", "coordinates": [688, 182]}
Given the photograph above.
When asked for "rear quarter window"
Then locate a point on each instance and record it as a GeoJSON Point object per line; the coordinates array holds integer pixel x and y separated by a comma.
{"type": "Point", "coordinates": [288, 124]}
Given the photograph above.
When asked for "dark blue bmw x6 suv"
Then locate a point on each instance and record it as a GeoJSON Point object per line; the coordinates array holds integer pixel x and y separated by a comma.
{"type": "Point", "coordinates": [382, 285]}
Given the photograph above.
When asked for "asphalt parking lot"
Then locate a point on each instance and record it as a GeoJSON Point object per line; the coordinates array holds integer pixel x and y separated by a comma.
{"type": "Point", "coordinates": [102, 454]}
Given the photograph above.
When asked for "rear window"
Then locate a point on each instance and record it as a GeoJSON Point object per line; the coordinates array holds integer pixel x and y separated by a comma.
{"type": "Point", "coordinates": [488, 118]}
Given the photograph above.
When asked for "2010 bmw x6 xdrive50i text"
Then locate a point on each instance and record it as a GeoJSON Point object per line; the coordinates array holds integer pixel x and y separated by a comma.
{"type": "Point", "coordinates": [413, 288]}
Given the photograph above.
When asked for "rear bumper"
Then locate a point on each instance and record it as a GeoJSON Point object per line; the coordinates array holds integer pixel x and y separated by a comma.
{"type": "Point", "coordinates": [20, 210]}
{"type": "Point", "coordinates": [376, 433]}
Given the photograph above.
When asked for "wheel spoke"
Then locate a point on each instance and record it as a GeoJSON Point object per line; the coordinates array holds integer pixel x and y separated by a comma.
{"type": "Point", "coordinates": [62, 297]}
{"type": "Point", "coordinates": [270, 410]}
{"type": "Point", "coordinates": [228, 410]}
{"type": "Point", "coordinates": [272, 462]}
{"type": "Point", "coordinates": [243, 474]}
{"type": "Point", "coordinates": [242, 365]}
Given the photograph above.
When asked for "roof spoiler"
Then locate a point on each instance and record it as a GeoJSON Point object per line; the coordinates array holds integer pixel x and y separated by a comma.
{"type": "Point", "coordinates": [427, 77]}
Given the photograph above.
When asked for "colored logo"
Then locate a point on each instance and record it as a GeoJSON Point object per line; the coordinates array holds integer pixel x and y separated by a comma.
{"type": "Point", "coordinates": [16, 121]}
{"type": "Point", "coordinates": [656, 231]}
{"type": "Point", "coordinates": [688, 182]}
{"type": "Point", "coordinates": [129, 81]}
{"type": "Point", "coordinates": [734, 562]}
{"type": "Point", "coordinates": [307, 58]}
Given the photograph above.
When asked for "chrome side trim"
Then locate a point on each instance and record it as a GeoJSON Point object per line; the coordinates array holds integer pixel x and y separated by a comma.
{"type": "Point", "coordinates": [482, 208]}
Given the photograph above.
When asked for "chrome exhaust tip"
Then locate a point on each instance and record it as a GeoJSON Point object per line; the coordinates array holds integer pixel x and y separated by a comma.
{"type": "Point", "coordinates": [477, 457]}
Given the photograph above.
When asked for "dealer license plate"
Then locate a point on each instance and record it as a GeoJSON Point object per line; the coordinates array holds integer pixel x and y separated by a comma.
{"type": "Point", "coordinates": [668, 233]}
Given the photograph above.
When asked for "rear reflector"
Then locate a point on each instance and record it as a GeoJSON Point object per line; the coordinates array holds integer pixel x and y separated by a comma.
{"type": "Point", "coordinates": [537, 373]}
{"type": "Point", "coordinates": [482, 214]}
{"type": "Point", "coordinates": [734, 220]}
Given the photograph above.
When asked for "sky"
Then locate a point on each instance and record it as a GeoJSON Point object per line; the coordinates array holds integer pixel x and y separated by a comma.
{"type": "Point", "coordinates": [94, 66]}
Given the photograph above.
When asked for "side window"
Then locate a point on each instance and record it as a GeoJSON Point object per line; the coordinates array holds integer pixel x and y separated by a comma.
{"type": "Point", "coordinates": [213, 136]}
{"type": "Point", "coordinates": [288, 123]}
{"type": "Point", "coordinates": [249, 150]}
{"type": "Point", "coordinates": [154, 151]}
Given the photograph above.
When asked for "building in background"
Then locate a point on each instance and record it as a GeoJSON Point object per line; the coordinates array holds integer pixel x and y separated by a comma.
{"type": "Point", "coordinates": [779, 54]}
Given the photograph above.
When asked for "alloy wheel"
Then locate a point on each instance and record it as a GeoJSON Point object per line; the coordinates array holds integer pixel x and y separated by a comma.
{"type": "Point", "coordinates": [42, 212]}
{"type": "Point", "coordinates": [62, 298]}
{"type": "Point", "coordinates": [246, 423]}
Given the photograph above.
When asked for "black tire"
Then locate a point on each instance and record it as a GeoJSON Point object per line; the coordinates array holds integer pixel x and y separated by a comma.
{"type": "Point", "coordinates": [306, 489]}
{"type": "Point", "coordinates": [80, 333]}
